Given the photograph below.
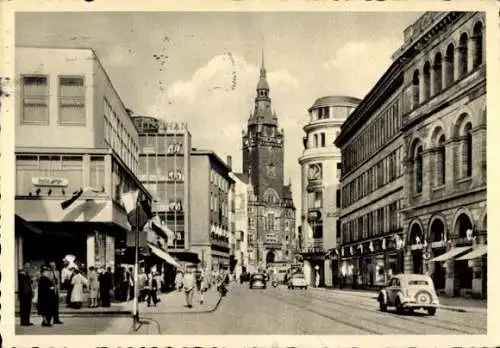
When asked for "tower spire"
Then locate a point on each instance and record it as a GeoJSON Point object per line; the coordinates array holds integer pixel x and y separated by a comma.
{"type": "Point", "coordinates": [262, 64]}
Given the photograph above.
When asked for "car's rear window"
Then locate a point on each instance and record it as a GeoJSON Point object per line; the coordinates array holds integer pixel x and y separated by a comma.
{"type": "Point", "coordinates": [418, 282]}
{"type": "Point", "coordinates": [298, 276]}
{"type": "Point", "coordinates": [258, 276]}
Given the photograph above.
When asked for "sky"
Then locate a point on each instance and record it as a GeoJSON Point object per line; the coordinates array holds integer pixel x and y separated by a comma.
{"type": "Point", "coordinates": [202, 67]}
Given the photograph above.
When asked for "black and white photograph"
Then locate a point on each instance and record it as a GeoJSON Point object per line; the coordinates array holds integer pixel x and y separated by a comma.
{"type": "Point", "coordinates": [249, 173]}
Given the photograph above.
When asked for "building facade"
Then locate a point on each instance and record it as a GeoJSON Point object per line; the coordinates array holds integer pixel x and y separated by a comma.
{"type": "Point", "coordinates": [210, 207]}
{"type": "Point", "coordinates": [271, 214]}
{"type": "Point", "coordinates": [241, 191]}
{"type": "Point", "coordinates": [72, 132]}
{"type": "Point", "coordinates": [320, 221]}
{"type": "Point", "coordinates": [444, 130]}
{"type": "Point", "coordinates": [372, 185]}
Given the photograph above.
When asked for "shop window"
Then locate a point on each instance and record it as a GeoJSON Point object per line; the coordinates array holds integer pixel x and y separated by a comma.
{"type": "Point", "coordinates": [35, 98]}
{"type": "Point", "coordinates": [71, 101]}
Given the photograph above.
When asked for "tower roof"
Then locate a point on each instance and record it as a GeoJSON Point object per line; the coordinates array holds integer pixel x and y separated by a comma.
{"type": "Point", "coordinates": [263, 84]}
{"type": "Point", "coordinates": [263, 113]}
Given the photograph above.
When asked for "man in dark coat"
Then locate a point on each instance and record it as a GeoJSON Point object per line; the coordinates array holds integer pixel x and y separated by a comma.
{"type": "Point", "coordinates": [46, 297]}
{"type": "Point", "coordinates": [105, 283]}
{"type": "Point", "coordinates": [25, 292]}
{"type": "Point", "coordinates": [56, 279]}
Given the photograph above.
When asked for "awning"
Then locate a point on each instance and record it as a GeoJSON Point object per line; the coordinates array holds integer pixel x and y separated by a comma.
{"type": "Point", "coordinates": [478, 252]}
{"type": "Point", "coordinates": [450, 254]}
{"type": "Point", "coordinates": [19, 221]}
{"type": "Point", "coordinates": [164, 255]}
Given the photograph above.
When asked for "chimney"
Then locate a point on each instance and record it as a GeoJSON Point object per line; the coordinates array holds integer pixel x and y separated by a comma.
{"type": "Point", "coordinates": [230, 162]}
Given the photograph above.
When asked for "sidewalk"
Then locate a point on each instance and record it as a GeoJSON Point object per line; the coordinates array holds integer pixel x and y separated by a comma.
{"type": "Point", "coordinates": [456, 304]}
{"type": "Point", "coordinates": [170, 303]}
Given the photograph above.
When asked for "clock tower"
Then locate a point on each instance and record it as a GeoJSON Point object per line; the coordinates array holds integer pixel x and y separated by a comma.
{"type": "Point", "coordinates": [271, 211]}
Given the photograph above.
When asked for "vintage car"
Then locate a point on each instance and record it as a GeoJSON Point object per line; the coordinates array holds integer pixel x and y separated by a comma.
{"type": "Point", "coordinates": [257, 280]}
{"type": "Point", "coordinates": [297, 280]}
{"type": "Point", "coordinates": [409, 291]}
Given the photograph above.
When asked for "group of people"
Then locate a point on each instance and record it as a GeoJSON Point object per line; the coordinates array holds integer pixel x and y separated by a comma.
{"type": "Point", "coordinates": [44, 288]}
{"type": "Point", "coordinates": [195, 279]}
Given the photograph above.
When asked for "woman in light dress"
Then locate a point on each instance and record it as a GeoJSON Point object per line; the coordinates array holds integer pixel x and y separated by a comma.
{"type": "Point", "coordinates": [93, 287]}
{"type": "Point", "coordinates": [77, 295]}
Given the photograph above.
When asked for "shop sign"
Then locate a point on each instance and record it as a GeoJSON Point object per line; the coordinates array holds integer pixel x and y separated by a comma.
{"type": "Point", "coordinates": [49, 182]}
{"type": "Point", "coordinates": [314, 215]}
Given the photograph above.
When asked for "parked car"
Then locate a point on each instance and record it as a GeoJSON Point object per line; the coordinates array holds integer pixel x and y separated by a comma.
{"type": "Point", "coordinates": [257, 280]}
{"type": "Point", "coordinates": [297, 280]}
{"type": "Point", "coordinates": [409, 292]}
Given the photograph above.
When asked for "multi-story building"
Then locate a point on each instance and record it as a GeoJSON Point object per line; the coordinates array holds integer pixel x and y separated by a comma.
{"type": "Point", "coordinates": [72, 131]}
{"type": "Point", "coordinates": [271, 214]}
{"type": "Point", "coordinates": [211, 185]}
{"type": "Point", "coordinates": [321, 169]}
{"type": "Point", "coordinates": [372, 185]}
{"type": "Point", "coordinates": [241, 190]}
{"type": "Point", "coordinates": [444, 130]}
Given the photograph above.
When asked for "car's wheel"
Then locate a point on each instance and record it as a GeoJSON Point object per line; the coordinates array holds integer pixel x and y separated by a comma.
{"type": "Point", "coordinates": [293, 287]}
{"type": "Point", "coordinates": [382, 305]}
{"type": "Point", "coordinates": [399, 307]}
{"type": "Point", "coordinates": [431, 311]}
{"type": "Point", "coordinates": [305, 287]}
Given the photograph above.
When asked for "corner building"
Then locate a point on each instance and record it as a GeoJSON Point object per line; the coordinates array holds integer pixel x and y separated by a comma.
{"type": "Point", "coordinates": [321, 169]}
{"type": "Point", "coordinates": [444, 131]}
{"type": "Point", "coordinates": [271, 212]}
{"type": "Point", "coordinates": [372, 185]}
{"type": "Point", "coordinates": [72, 131]}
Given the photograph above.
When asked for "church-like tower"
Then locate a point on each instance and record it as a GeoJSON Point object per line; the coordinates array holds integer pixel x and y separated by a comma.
{"type": "Point", "coordinates": [271, 211]}
{"type": "Point", "coordinates": [263, 143]}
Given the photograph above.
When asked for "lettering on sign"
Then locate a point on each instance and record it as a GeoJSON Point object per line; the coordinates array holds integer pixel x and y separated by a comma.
{"type": "Point", "coordinates": [49, 182]}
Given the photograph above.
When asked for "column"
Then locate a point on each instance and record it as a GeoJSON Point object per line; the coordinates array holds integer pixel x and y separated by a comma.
{"type": "Point", "coordinates": [450, 277]}
{"type": "Point", "coordinates": [408, 261]}
{"type": "Point", "coordinates": [472, 57]}
{"type": "Point", "coordinates": [477, 277]}
{"type": "Point", "coordinates": [421, 88]}
{"type": "Point", "coordinates": [447, 73]}
{"type": "Point", "coordinates": [479, 156]}
{"type": "Point", "coordinates": [451, 158]}
{"type": "Point", "coordinates": [456, 63]}
{"type": "Point", "coordinates": [433, 84]}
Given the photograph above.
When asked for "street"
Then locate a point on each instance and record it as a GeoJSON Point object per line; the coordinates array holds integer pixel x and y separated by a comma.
{"type": "Point", "coordinates": [282, 311]}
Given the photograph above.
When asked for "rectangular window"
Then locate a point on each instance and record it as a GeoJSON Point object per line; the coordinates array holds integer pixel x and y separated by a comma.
{"type": "Point", "coordinates": [97, 172]}
{"type": "Point", "coordinates": [71, 101]}
{"type": "Point", "coordinates": [323, 140]}
{"type": "Point", "coordinates": [35, 99]}
{"type": "Point", "coordinates": [337, 227]}
{"type": "Point", "coordinates": [318, 199]}
{"type": "Point", "coordinates": [337, 198]}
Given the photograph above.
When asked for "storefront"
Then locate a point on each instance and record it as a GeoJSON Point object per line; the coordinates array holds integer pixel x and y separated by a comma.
{"type": "Point", "coordinates": [371, 263]}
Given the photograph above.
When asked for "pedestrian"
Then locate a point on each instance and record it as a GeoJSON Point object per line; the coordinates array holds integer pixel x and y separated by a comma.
{"type": "Point", "coordinates": [130, 292]}
{"type": "Point", "coordinates": [25, 293]}
{"type": "Point", "coordinates": [188, 283]}
{"type": "Point", "coordinates": [152, 288]}
{"type": "Point", "coordinates": [105, 283]}
{"type": "Point", "coordinates": [56, 279]}
{"type": "Point", "coordinates": [93, 287]}
{"type": "Point", "coordinates": [124, 286]}
{"type": "Point", "coordinates": [46, 297]}
{"type": "Point", "coordinates": [178, 280]}
{"type": "Point", "coordinates": [200, 284]}
{"type": "Point", "coordinates": [66, 275]}
{"type": "Point", "coordinates": [79, 282]}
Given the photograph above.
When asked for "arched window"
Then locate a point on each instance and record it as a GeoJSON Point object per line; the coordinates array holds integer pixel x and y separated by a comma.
{"type": "Point", "coordinates": [462, 55]}
{"type": "Point", "coordinates": [438, 73]}
{"type": "Point", "coordinates": [427, 82]}
{"type": "Point", "coordinates": [449, 66]}
{"type": "Point", "coordinates": [418, 163]}
{"type": "Point", "coordinates": [416, 89]}
{"type": "Point", "coordinates": [441, 161]}
{"type": "Point", "coordinates": [468, 150]}
{"type": "Point", "coordinates": [477, 45]}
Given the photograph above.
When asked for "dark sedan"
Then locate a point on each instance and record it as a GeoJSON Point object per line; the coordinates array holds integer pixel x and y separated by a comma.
{"type": "Point", "coordinates": [257, 281]}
